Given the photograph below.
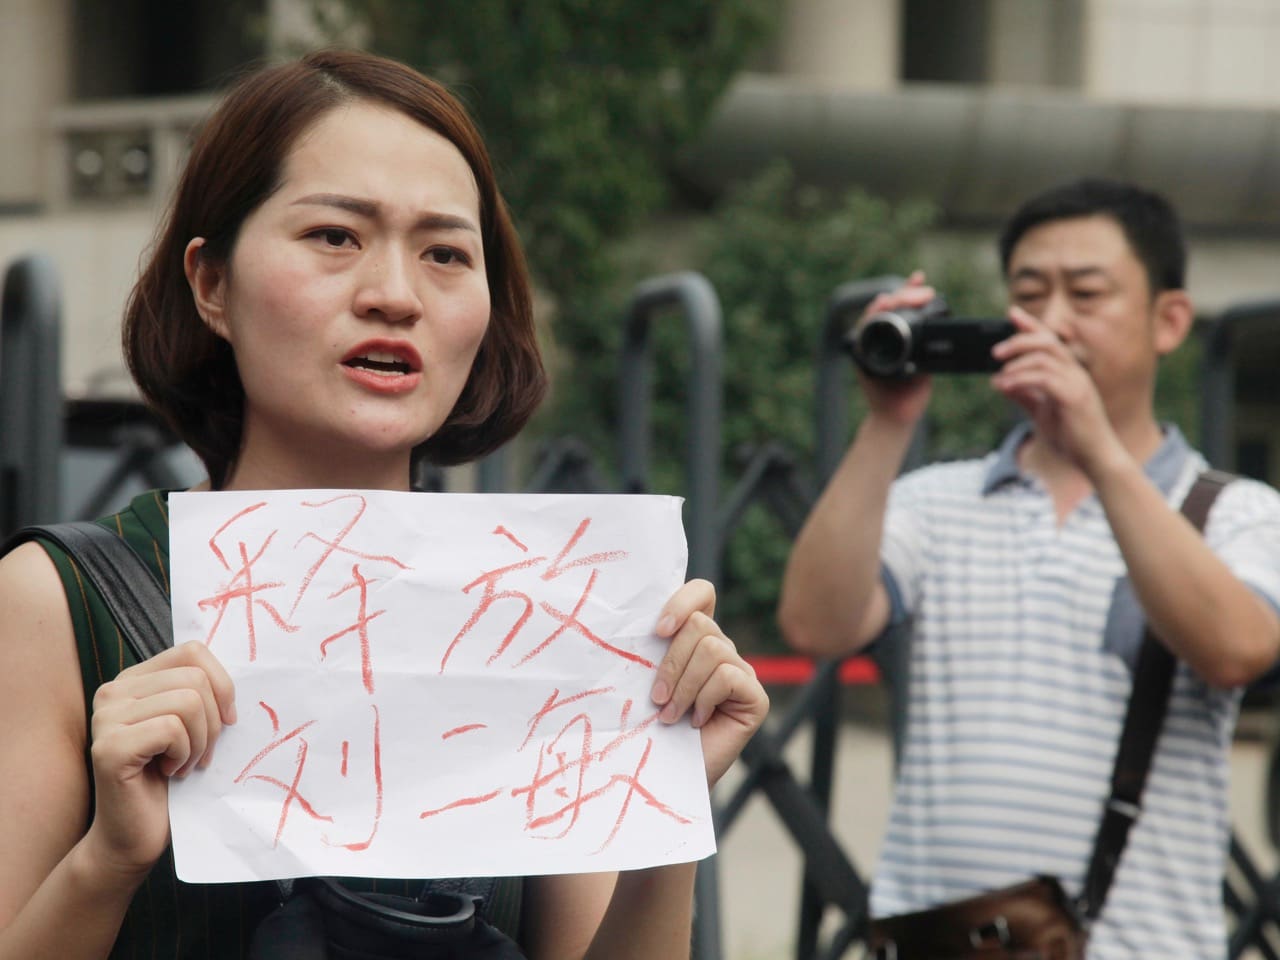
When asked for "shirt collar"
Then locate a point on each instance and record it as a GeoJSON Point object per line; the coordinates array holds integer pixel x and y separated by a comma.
{"type": "Point", "coordinates": [1163, 468]}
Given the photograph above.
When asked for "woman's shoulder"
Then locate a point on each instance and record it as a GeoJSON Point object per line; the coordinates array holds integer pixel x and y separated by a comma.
{"type": "Point", "coordinates": [27, 576]}
{"type": "Point", "coordinates": [49, 591]}
{"type": "Point", "coordinates": [29, 582]}
{"type": "Point", "coordinates": [38, 659]}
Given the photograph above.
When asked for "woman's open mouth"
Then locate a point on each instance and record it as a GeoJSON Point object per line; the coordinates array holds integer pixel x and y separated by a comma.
{"type": "Point", "coordinates": [384, 367]}
{"type": "Point", "coordinates": [380, 361]}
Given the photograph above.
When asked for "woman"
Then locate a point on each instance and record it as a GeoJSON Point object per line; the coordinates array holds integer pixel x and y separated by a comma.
{"type": "Point", "coordinates": [337, 286]}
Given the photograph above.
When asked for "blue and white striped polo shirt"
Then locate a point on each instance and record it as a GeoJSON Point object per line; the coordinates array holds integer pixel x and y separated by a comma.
{"type": "Point", "coordinates": [1023, 636]}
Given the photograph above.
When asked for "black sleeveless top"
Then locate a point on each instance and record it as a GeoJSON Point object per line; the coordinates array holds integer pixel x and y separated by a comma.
{"type": "Point", "coordinates": [169, 918]}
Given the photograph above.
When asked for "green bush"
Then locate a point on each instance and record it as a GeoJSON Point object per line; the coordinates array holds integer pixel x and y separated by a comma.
{"type": "Point", "coordinates": [775, 250]}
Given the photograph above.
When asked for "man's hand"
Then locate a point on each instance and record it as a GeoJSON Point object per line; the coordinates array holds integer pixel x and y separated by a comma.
{"type": "Point", "coordinates": [1043, 375]}
{"type": "Point", "coordinates": [900, 402]}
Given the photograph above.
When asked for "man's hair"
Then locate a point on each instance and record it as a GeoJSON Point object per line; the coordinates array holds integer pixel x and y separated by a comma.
{"type": "Point", "coordinates": [1148, 221]}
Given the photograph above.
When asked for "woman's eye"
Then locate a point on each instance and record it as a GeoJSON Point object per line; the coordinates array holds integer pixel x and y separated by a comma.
{"type": "Point", "coordinates": [333, 237]}
{"type": "Point", "coordinates": [446, 255]}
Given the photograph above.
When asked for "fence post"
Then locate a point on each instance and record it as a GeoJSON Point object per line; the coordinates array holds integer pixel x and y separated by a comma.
{"type": "Point", "coordinates": [697, 300]}
{"type": "Point", "coordinates": [31, 412]}
{"type": "Point", "coordinates": [831, 430]}
{"type": "Point", "coordinates": [1218, 378]}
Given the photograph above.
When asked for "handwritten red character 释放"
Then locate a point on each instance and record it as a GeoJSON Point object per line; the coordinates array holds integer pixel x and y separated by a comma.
{"type": "Point", "coordinates": [360, 627]}
{"type": "Point", "coordinates": [242, 587]}
{"type": "Point", "coordinates": [563, 622]}
{"type": "Point", "coordinates": [328, 547]}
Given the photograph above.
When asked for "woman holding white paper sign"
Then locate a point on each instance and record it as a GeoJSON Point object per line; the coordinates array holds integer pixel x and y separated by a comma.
{"type": "Point", "coordinates": [336, 286]}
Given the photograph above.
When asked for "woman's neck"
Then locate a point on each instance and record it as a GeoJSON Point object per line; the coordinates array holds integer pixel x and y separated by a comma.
{"type": "Point", "coordinates": [319, 472]}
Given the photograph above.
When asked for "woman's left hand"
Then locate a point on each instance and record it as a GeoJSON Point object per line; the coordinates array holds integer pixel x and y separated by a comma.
{"type": "Point", "coordinates": [703, 674]}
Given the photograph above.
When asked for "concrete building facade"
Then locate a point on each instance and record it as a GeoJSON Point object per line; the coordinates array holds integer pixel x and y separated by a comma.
{"type": "Point", "coordinates": [971, 103]}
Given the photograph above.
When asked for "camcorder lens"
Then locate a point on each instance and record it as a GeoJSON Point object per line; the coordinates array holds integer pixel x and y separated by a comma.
{"type": "Point", "coordinates": [928, 339]}
{"type": "Point", "coordinates": [883, 346]}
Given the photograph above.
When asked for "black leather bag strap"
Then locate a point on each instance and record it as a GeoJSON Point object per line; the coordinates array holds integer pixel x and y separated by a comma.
{"type": "Point", "coordinates": [1143, 721]}
{"type": "Point", "coordinates": [133, 596]}
{"type": "Point", "coordinates": [140, 608]}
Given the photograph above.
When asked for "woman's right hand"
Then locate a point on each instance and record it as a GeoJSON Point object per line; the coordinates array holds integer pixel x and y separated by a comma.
{"type": "Point", "coordinates": [155, 720]}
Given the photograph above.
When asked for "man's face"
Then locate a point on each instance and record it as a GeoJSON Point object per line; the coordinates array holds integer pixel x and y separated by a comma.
{"type": "Point", "coordinates": [1081, 278]}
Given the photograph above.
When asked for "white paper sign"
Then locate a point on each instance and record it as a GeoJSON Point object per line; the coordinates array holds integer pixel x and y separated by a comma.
{"type": "Point", "coordinates": [433, 685]}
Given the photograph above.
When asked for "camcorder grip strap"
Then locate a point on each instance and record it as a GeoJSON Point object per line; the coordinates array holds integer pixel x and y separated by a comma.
{"type": "Point", "coordinates": [1144, 719]}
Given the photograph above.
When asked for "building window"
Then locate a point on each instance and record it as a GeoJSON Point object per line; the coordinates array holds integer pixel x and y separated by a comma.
{"type": "Point", "coordinates": [944, 41]}
{"type": "Point", "coordinates": [1027, 43]}
{"type": "Point", "coordinates": [127, 49]}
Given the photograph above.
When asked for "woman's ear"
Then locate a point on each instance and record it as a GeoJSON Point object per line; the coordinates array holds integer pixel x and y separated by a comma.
{"type": "Point", "coordinates": [207, 280]}
{"type": "Point", "coordinates": [1173, 318]}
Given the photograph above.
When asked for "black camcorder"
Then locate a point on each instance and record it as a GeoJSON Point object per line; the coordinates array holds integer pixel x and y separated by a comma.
{"type": "Point", "coordinates": [915, 340]}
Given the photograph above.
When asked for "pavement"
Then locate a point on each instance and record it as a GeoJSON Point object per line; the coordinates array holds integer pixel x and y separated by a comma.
{"type": "Point", "coordinates": [760, 868]}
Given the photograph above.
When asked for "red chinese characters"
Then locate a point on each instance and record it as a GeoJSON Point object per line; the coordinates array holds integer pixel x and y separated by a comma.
{"type": "Point", "coordinates": [395, 733]}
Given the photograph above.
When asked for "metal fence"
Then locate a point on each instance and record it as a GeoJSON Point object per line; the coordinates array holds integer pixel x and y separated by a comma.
{"type": "Point", "coordinates": [31, 421]}
{"type": "Point", "coordinates": [38, 430]}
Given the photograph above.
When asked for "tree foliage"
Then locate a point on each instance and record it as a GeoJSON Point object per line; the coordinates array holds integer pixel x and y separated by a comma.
{"type": "Point", "coordinates": [583, 103]}
{"type": "Point", "coordinates": [776, 250]}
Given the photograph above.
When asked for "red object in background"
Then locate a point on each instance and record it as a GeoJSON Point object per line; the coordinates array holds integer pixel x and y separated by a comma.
{"type": "Point", "coordinates": [793, 671]}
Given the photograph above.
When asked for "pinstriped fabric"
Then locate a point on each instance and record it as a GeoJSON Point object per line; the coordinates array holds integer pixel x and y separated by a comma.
{"type": "Point", "coordinates": [169, 919]}
{"type": "Point", "coordinates": [1022, 638]}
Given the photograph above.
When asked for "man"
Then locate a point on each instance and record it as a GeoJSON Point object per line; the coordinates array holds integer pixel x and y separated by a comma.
{"type": "Point", "coordinates": [1027, 575]}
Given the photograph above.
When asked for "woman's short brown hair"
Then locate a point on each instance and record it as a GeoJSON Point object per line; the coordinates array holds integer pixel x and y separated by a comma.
{"type": "Point", "coordinates": [189, 375]}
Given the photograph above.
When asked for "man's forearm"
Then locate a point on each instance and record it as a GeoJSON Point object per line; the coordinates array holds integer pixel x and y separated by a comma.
{"type": "Point", "coordinates": [831, 601]}
{"type": "Point", "coordinates": [1194, 603]}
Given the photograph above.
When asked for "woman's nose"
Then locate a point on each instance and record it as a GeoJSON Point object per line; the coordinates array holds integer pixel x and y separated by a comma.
{"type": "Point", "coordinates": [387, 291]}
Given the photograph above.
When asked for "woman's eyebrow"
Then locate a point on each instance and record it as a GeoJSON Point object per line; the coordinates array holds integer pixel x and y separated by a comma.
{"type": "Point", "coordinates": [371, 209]}
{"type": "Point", "coordinates": [364, 208]}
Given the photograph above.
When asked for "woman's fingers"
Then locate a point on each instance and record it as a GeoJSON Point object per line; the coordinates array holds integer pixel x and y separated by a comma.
{"type": "Point", "coordinates": [694, 596]}
{"type": "Point", "coordinates": [695, 653]}
{"type": "Point", "coordinates": [131, 767]}
{"type": "Point", "coordinates": [156, 720]}
{"type": "Point", "coordinates": [186, 684]}
{"type": "Point", "coordinates": [122, 751]}
{"type": "Point", "coordinates": [197, 655]}
{"type": "Point", "coordinates": [730, 687]}
{"type": "Point", "coordinates": [183, 691]}
{"type": "Point", "coordinates": [704, 676]}
{"type": "Point", "coordinates": [702, 668]}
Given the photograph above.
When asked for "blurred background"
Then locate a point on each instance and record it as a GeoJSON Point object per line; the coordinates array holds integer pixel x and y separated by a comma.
{"type": "Point", "coordinates": [708, 191]}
